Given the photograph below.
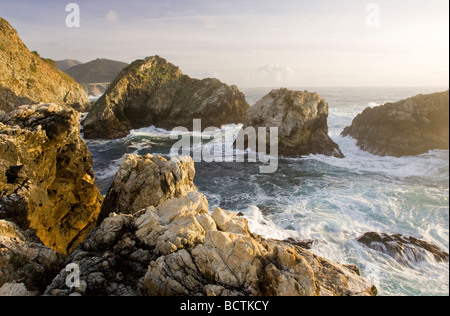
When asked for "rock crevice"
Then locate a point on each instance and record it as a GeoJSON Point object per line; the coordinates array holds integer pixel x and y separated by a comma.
{"type": "Point", "coordinates": [174, 247]}
{"type": "Point", "coordinates": [46, 176]}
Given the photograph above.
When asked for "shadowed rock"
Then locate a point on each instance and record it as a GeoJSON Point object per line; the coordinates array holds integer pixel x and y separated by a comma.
{"type": "Point", "coordinates": [406, 250]}
{"type": "Point", "coordinates": [410, 127]}
{"type": "Point", "coordinates": [26, 265]}
{"type": "Point", "coordinates": [155, 92]}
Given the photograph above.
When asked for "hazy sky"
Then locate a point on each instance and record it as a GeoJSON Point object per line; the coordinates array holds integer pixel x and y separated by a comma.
{"type": "Point", "coordinates": [291, 43]}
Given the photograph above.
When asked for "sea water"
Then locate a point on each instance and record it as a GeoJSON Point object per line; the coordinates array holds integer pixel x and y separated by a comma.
{"type": "Point", "coordinates": [329, 200]}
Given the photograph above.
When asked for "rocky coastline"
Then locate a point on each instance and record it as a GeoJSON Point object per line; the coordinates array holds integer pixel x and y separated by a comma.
{"type": "Point", "coordinates": [154, 233]}
{"type": "Point", "coordinates": [157, 236]}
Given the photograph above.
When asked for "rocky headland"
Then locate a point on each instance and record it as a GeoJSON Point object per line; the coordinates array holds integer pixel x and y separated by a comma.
{"type": "Point", "coordinates": [174, 247]}
{"type": "Point", "coordinates": [155, 92]}
{"type": "Point", "coordinates": [302, 121]}
{"type": "Point", "coordinates": [407, 128]}
{"type": "Point", "coordinates": [26, 78]}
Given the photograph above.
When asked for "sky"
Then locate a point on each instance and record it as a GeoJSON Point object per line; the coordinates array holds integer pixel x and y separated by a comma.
{"type": "Point", "coordinates": [253, 43]}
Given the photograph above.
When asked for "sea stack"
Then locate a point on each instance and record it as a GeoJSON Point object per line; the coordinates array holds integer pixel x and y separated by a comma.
{"type": "Point", "coordinates": [155, 92]}
{"type": "Point", "coordinates": [302, 121]}
{"type": "Point", "coordinates": [407, 128]}
{"type": "Point", "coordinates": [26, 78]}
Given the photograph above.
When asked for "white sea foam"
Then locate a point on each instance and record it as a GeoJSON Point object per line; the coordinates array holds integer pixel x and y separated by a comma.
{"type": "Point", "coordinates": [331, 200]}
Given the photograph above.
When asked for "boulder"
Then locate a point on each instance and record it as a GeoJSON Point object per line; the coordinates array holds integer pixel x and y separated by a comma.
{"type": "Point", "coordinates": [26, 78]}
{"type": "Point", "coordinates": [144, 181]}
{"type": "Point", "coordinates": [177, 248]}
{"type": "Point", "coordinates": [46, 178]}
{"type": "Point", "coordinates": [407, 128]}
{"type": "Point", "coordinates": [155, 92]}
{"type": "Point", "coordinates": [302, 121]}
{"type": "Point", "coordinates": [405, 250]}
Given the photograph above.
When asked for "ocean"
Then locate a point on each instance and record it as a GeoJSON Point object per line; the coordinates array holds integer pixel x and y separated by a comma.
{"type": "Point", "coordinates": [329, 200]}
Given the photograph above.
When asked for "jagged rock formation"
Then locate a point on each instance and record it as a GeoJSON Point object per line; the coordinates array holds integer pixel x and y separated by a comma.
{"type": "Point", "coordinates": [410, 127]}
{"type": "Point", "coordinates": [302, 119]}
{"type": "Point", "coordinates": [178, 248]}
{"type": "Point", "coordinates": [46, 178]}
{"type": "Point", "coordinates": [147, 181]}
{"type": "Point", "coordinates": [155, 92]}
{"type": "Point", "coordinates": [26, 265]}
{"type": "Point", "coordinates": [406, 250]}
{"type": "Point", "coordinates": [26, 78]}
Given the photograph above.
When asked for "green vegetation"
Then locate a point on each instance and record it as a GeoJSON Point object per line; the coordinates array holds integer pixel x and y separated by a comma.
{"type": "Point", "coordinates": [161, 74]}
{"type": "Point", "coordinates": [2, 48]}
{"type": "Point", "coordinates": [49, 61]}
{"type": "Point", "coordinates": [33, 68]}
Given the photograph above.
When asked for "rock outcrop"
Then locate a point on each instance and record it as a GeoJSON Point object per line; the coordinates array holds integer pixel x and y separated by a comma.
{"type": "Point", "coordinates": [302, 121]}
{"type": "Point", "coordinates": [177, 248]}
{"type": "Point", "coordinates": [26, 78]}
{"type": "Point", "coordinates": [26, 265]}
{"type": "Point", "coordinates": [155, 92]}
{"type": "Point", "coordinates": [410, 127]}
{"type": "Point", "coordinates": [405, 250]}
{"type": "Point", "coordinates": [147, 181]}
{"type": "Point", "coordinates": [46, 178]}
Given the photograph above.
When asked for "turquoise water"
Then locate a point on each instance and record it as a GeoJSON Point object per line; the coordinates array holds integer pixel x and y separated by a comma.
{"type": "Point", "coordinates": [330, 200]}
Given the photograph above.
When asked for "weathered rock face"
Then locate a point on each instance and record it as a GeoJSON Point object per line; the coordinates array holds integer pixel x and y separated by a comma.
{"type": "Point", "coordinates": [26, 265]}
{"type": "Point", "coordinates": [178, 248]}
{"type": "Point", "coordinates": [410, 127]}
{"type": "Point", "coordinates": [25, 78]}
{"type": "Point", "coordinates": [155, 92]}
{"type": "Point", "coordinates": [302, 119]}
{"type": "Point", "coordinates": [406, 250]}
{"type": "Point", "coordinates": [147, 181]}
{"type": "Point", "coordinates": [46, 178]}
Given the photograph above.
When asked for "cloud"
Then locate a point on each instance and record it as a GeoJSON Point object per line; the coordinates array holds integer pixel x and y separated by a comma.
{"type": "Point", "coordinates": [272, 74]}
{"type": "Point", "coordinates": [112, 16]}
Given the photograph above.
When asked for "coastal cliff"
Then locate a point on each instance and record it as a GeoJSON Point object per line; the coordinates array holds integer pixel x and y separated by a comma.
{"type": "Point", "coordinates": [26, 78]}
{"type": "Point", "coordinates": [155, 92]}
